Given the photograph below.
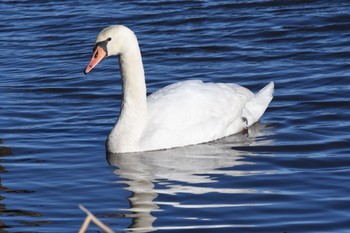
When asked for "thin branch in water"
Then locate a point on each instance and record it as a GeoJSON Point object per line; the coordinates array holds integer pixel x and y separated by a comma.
{"type": "Point", "coordinates": [90, 217]}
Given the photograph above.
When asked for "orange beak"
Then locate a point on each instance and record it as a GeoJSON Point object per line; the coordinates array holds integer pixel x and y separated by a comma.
{"type": "Point", "coordinates": [97, 57]}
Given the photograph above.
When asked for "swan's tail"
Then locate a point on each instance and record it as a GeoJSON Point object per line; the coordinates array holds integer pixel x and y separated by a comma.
{"type": "Point", "coordinates": [256, 107]}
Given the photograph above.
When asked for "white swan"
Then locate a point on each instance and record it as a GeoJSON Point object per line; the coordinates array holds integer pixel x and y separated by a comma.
{"type": "Point", "coordinates": [180, 114]}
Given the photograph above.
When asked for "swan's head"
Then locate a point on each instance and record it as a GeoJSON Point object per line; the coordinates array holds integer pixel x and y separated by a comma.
{"type": "Point", "coordinates": [111, 41]}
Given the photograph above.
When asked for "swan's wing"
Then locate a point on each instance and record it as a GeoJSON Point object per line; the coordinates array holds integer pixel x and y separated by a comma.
{"type": "Point", "coordinates": [192, 111]}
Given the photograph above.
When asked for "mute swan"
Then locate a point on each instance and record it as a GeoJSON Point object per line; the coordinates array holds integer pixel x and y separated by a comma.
{"type": "Point", "coordinates": [184, 113]}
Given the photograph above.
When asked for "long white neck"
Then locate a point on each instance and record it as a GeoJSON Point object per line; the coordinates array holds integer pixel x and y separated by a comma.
{"type": "Point", "coordinates": [126, 133]}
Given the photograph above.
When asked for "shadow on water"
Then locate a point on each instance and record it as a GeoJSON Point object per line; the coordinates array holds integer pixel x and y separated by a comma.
{"type": "Point", "coordinates": [180, 170]}
{"type": "Point", "coordinates": [4, 151]}
{"type": "Point", "coordinates": [7, 214]}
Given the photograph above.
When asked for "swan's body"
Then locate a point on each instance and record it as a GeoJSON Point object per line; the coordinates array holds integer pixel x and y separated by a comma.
{"type": "Point", "coordinates": [181, 114]}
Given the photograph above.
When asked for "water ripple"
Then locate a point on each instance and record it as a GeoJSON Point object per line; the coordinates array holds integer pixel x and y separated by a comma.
{"type": "Point", "coordinates": [287, 174]}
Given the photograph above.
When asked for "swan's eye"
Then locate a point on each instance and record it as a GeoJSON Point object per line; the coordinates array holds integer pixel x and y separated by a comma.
{"type": "Point", "coordinates": [102, 44]}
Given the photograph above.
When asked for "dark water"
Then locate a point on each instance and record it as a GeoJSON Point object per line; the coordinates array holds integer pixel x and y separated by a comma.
{"type": "Point", "coordinates": [290, 173]}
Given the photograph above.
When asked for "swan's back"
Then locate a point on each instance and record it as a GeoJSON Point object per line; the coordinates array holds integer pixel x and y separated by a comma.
{"type": "Point", "coordinates": [192, 112]}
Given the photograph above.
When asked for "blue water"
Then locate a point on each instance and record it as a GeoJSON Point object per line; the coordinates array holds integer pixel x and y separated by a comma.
{"type": "Point", "coordinates": [288, 173]}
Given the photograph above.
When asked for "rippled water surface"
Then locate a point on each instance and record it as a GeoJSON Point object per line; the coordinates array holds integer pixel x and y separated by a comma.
{"type": "Point", "coordinates": [288, 173]}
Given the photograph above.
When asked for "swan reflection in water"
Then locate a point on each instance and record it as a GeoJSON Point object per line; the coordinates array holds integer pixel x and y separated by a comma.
{"type": "Point", "coordinates": [180, 170]}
